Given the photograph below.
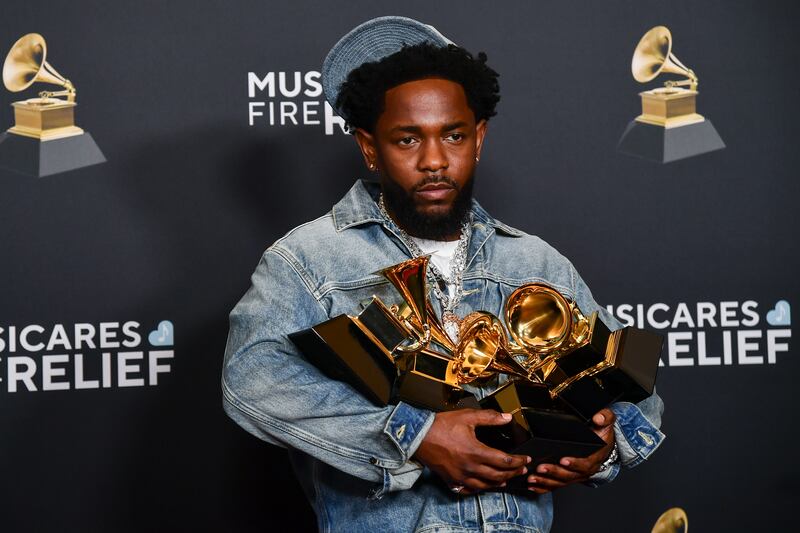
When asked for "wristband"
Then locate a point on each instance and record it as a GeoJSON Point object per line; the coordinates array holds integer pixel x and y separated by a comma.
{"type": "Point", "coordinates": [612, 458]}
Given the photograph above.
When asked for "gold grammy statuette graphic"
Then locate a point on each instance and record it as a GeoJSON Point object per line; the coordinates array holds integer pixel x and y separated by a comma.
{"type": "Point", "coordinates": [669, 127]}
{"type": "Point", "coordinates": [44, 139]}
{"type": "Point", "coordinates": [673, 520]}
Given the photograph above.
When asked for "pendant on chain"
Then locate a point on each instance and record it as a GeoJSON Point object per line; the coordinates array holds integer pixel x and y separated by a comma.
{"type": "Point", "coordinates": [451, 324]}
{"type": "Point", "coordinates": [450, 321]}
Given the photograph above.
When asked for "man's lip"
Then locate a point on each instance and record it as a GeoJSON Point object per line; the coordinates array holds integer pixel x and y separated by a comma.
{"type": "Point", "coordinates": [434, 187]}
{"type": "Point", "coordinates": [435, 194]}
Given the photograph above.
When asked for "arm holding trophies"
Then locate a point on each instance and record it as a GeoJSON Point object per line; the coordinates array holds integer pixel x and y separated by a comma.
{"type": "Point", "coordinates": [274, 393]}
{"type": "Point", "coordinates": [627, 440]}
{"type": "Point", "coordinates": [561, 369]}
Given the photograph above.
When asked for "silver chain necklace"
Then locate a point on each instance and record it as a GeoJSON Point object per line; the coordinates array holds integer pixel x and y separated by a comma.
{"type": "Point", "coordinates": [458, 264]}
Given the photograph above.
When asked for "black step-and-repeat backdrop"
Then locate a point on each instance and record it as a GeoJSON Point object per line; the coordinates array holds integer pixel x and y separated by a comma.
{"type": "Point", "coordinates": [117, 278]}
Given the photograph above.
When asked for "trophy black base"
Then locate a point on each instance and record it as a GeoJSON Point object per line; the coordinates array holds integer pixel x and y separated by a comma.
{"type": "Point", "coordinates": [32, 157]}
{"type": "Point", "coordinates": [589, 395]}
{"type": "Point", "coordinates": [540, 428]}
{"type": "Point", "coordinates": [427, 393]}
{"type": "Point", "coordinates": [422, 383]}
{"type": "Point", "coordinates": [343, 352]}
{"type": "Point", "coordinates": [631, 378]}
{"type": "Point", "coordinates": [550, 435]}
{"type": "Point", "coordinates": [665, 145]}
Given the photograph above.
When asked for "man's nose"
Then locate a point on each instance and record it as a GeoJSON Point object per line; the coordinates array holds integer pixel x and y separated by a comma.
{"type": "Point", "coordinates": [433, 157]}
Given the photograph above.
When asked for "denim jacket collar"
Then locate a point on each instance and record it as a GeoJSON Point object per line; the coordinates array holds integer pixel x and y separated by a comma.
{"type": "Point", "coordinates": [359, 206]}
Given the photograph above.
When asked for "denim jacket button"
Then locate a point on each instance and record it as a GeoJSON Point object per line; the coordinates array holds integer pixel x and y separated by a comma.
{"type": "Point", "coordinates": [373, 460]}
{"type": "Point", "coordinates": [400, 431]}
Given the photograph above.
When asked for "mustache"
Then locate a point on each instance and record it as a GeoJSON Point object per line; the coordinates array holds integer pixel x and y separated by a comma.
{"type": "Point", "coordinates": [437, 178]}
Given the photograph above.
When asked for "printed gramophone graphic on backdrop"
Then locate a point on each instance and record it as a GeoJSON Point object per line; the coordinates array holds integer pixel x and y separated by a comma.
{"type": "Point", "coordinates": [553, 371]}
{"type": "Point", "coordinates": [44, 139]}
{"type": "Point", "coordinates": [669, 127]}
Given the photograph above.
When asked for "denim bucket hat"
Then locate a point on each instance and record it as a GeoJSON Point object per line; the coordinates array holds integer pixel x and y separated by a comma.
{"type": "Point", "coordinates": [372, 41]}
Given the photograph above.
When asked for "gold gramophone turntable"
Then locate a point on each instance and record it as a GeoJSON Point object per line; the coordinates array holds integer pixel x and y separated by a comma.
{"type": "Point", "coordinates": [669, 127]}
{"type": "Point", "coordinates": [44, 139]}
{"type": "Point", "coordinates": [45, 117]}
{"type": "Point", "coordinates": [672, 105]}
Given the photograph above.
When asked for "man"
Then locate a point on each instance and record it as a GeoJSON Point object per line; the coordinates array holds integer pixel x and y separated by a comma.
{"type": "Point", "coordinates": [418, 107]}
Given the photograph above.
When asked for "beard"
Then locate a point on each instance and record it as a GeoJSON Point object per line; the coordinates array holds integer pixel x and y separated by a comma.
{"type": "Point", "coordinates": [437, 227]}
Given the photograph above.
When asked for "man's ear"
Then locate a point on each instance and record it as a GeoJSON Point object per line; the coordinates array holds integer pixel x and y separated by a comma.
{"type": "Point", "coordinates": [480, 133]}
{"type": "Point", "coordinates": [366, 142]}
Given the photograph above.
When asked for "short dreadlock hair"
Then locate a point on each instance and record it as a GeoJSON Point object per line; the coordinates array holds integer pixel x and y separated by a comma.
{"type": "Point", "coordinates": [361, 98]}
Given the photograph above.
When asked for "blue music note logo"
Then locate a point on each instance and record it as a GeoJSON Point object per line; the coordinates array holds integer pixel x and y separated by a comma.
{"type": "Point", "coordinates": [163, 335]}
{"type": "Point", "coordinates": [781, 315]}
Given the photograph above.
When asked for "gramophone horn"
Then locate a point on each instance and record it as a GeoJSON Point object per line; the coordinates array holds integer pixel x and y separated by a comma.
{"type": "Point", "coordinates": [409, 278]}
{"type": "Point", "coordinates": [653, 55]}
{"type": "Point", "coordinates": [538, 318]}
{"type": "Point", "coordinates": [26, 64]}
{"type": "Point", "coordinates": [482, 350]}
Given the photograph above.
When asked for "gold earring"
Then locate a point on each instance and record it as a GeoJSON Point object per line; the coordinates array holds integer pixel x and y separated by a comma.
{"type": "Point", "coordinates": [477, 158]}
{"type": "Point", "coordinates": [372, 166]}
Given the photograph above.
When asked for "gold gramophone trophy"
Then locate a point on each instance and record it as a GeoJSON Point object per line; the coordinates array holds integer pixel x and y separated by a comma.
{"type": "Point", "coordinates": [44, 139]}
{"type": "Point", "coordinates": [669, 127]}
{"type": "Point", "coordinates": [583, 364]}
{"type": "Point", "coordinates": [390, 353]}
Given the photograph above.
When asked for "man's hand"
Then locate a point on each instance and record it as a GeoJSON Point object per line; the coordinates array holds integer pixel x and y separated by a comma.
{"type": "Point", "coordinates": [549, 477]}
{"type": "Point", "coordinates": [451, 449]}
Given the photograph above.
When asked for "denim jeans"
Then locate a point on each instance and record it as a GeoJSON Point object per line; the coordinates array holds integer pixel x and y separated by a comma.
{"type": "Point", "coordinates": [353, 458]}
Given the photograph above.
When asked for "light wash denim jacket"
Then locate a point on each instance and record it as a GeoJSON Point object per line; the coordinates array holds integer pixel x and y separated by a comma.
{"type": "Point", "coordinates": [353, 458]}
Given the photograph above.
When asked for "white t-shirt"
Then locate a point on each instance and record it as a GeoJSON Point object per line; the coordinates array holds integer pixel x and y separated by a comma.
{"type": "Point", "coordinates": [441, 253]}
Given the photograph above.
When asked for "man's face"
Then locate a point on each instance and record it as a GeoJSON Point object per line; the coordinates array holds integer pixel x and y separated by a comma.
{"type": "Point", "coordinates": [425, 145]}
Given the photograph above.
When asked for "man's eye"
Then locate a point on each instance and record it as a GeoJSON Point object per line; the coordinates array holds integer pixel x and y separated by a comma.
{"type": "Point", "coordinates": [406, 141]}
{"type": "Point", "coordinates": [455, 137]}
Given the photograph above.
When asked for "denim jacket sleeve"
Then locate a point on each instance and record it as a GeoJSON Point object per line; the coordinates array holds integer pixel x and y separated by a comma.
{"type": "Point", "coordinates": [637, 428]}
{"type": "Point", "coordinates": [274, 393]}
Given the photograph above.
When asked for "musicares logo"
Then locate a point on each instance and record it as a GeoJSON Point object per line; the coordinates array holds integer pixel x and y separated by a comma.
{"type": "Point", "coordinates": [290, 99]}
{"type": "Point", "coordinates": [714, 334]}
{"type": "Point", "coordinates": [84, 356]}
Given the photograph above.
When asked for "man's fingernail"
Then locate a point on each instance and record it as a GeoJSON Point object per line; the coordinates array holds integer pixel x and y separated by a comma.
{"type": "Point", "coordinates": [524, 471]}
{"type": "Point", "coordinates": [602, 418]}
{"type": "Point", "coordinates": [528, 460]}
{"type": "Point", "coordinates": [565, 462]}
{"type": "Point", "coordinates": [506, 416]}
{"type": "Point", "coordinates": [532, 479]}
{"type": "Point", "coordinates": [542, 469]}
{"type": "Point", "coordinates": [503, 484]}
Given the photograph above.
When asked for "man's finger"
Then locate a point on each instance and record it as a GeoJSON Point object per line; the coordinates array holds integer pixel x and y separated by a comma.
{"type": "Point", "coordinates": [489, 417]}
{"type": "Point", "coordinates": [606, 433]}
{"type": "Point", "coordinates": [500, 460]}
{"type": "Point", "coordinates": [538, 481]}
{"type": "Point", "coordinates": [478, 485]}
{"type": "Point", "coordinates": [559, 473]}
{"type": "Point", "coordinates": [604, 417]}
{"type": "Point", "coordinates": [578, 464]}
{"type": "Point", "coordinates": [494, 476]}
